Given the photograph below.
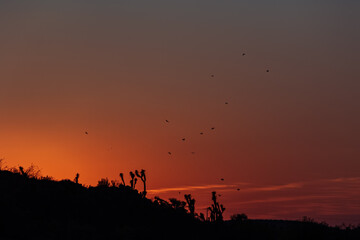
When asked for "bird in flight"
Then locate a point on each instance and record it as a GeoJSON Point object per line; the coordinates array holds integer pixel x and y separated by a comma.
{"type": "Point", "coordinates": [192, 152]}
{"type": "Point", "coordinates": [183, 139]}
{"type": "Point", "coordinates": [238, 189]}
{"type": "Point", "coordinates": [86, 133]}
{"type": "Point", "coordinates": [212, 128]}
{"type": "Point", "coordinates": [243, 54]}
{"type": "Point", "coordinates": [226, 103]}
{"type": "Point", "coordinates": [212, 75]}
{"type": "Point", "coordinates": [219, 195]}
{"type": "Point", "coordinates": [201, 133]}
{"type": "Point", "coordinates": [166, 120]}
{"type": "Point", "coordinates": [169, 153]}
{"type": "Point", "coordinates": [222, 179]}
{"type": "Point", "coordinates": [267, 70]}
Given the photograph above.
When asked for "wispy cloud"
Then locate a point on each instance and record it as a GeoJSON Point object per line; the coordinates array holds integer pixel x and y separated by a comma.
{"type": "Point", "coordinates": [228, 187]}
{"type": "Point", "coordinates": [275, 187]}
{"type": "Point", "coordinates": [192, 188]}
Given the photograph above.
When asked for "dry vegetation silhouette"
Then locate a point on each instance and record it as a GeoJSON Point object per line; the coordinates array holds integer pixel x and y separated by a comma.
{"type": "Point", "coordinates": [38, 207]}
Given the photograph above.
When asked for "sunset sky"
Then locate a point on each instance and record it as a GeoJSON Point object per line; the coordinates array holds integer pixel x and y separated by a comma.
{"type": "Point", "coordinates": [288, 138]}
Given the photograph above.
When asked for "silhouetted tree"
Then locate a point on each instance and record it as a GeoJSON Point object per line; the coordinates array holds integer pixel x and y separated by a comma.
{"type": "Point", "coordinates": [132, 181]}
{"type": "Point", "coordinates": [76, 179]}
{"type": "Point", "coordinates": [142, 176]}
{"type": "Point", "coordinates": [216, 210]}
{"type": "Point", "coordinates": [122, 178]}
{"type": "Point", "coordinates": [191, 203]}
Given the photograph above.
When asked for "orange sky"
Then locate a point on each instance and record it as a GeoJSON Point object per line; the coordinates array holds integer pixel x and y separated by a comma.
{"type": "Point", "coordinates": [119, 70]}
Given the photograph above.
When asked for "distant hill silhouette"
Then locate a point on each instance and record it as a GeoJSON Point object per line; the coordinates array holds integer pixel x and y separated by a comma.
{"type": "Point", "coordinates": [46, 209]}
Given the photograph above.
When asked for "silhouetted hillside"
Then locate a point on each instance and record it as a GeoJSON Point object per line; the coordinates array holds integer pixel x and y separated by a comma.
{"type": "Point", "coordinates": [47, 209]}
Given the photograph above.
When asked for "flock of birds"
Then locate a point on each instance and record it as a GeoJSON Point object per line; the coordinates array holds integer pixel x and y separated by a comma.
{"type": "Point", "coordinates": [184, 139]}
{"type": "Point", "coordinates": [213, 128]}
{"type": "Point", "coordinates": [202, 133]}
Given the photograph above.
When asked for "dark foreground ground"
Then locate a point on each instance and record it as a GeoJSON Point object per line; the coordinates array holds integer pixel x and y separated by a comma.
{"type": "Point", "coordinates": [46, 209]}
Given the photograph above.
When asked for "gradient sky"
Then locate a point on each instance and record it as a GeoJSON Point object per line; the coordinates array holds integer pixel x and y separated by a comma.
{"type": "Point", "coordinates": [290, 138]}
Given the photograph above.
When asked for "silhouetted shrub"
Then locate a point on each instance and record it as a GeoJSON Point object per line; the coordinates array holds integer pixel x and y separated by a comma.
{"type": "Point", "coordinates": [308, 219]}
{"type": "Point", "coordinates": [104, 182]}
{"type": "Point", "coordinates": [31, 172]}
{"type": "Point", "coordinates": [115, 183]}
{"type": "Point", "coordinates": [161, 202]}
{"type": "Point", "coordinates": [177, 204]}
{"type": "Point", "coordinates": [47, 178]}
{"type": "Point", "coordinates": [239, 217]}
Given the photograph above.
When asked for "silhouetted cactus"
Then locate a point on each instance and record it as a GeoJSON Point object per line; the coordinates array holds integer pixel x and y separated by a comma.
{"type": "Point", "coordinates": [76, 179]}
{"type": "Point", "coordinates": [142, 176]}
{"type": "Point", "coordinates": [191, 203]}
{"type": "Point", "coordinates": [122, 178]}
{"type": "Point", "coordinates": [133, 180]}
{"type": "Point", "coordinates": [216, 210]}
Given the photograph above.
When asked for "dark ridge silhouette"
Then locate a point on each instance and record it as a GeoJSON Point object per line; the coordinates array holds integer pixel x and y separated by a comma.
{"type": "Point", "coordinates": [36, 207]}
